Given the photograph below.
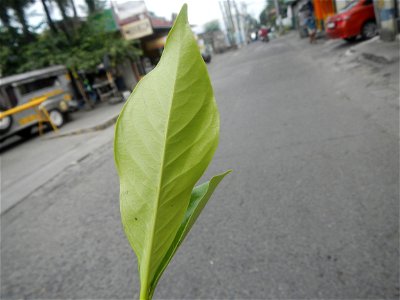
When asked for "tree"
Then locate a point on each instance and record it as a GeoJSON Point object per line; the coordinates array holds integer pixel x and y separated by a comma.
{"type": "Point", "coordinates": [212, 26]}
{"type": "Point", "coordinates": [91, 5]}
{"type": "Point", "coordinates": [269, 14]}
{"type": "Point", "coordinates": [81, 49]}
{"type": "Point", "coordinates": [72, 3]}
{"type": "Point", "coordinates": [263, 17]}
{"type": "Point", "coordinates": [65, 24]}
{"type": "Point", "coordinates": [91, 43]}
{"type": "Point", "coordinates": [50, 22]}
{"type": "Point", "coordinates": [18, 6]}
{"type": "Point", "coordinates": [84, 51]}
{"type": "Point", "coordinates": [62, 7]}
{"type": "Point", "coordinates": [4, 16]}
{"type": "Point", "coordinates": [9, 53]}
{"type": "Point", "coordinates": [94, 5]}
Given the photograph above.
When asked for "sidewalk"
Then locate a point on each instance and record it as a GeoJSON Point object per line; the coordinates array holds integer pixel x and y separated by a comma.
{"type": "Point", "coordinates": [377, 51]}
{"type": "Point", "coordinates": [28, 165]}
{"type": "Point", "coordinates": [373, 51]}
{"type": "Point", "coordinates": [366, 74]}
{"type": "Point", "coordinates": [100, 117]}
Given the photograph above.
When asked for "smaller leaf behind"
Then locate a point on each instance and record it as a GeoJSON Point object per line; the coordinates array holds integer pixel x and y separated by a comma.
{"type": "Point", "coordinates": [198, 200]}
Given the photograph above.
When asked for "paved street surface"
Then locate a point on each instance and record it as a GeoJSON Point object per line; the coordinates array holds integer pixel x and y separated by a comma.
{"type": "Point", "coordinates": [28, 164]}
{"type": "Point", "coordinates": [310, 211]}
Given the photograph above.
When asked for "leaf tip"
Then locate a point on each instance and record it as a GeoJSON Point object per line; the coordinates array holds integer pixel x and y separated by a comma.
{"type": "Point", "coordinates": [228, 172]}
{"type": "Point", "coordinates": [183, 13]}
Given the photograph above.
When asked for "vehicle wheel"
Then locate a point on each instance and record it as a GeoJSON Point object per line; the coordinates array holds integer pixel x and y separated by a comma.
{"type": "Point", "coordinates": [369, 30]}
{"type": "Point", "coordinates": [57, 117]}
{"type": "Point", "coordinates": [5, 124]}
{"type": "Point", "coordinates": [351, 39]}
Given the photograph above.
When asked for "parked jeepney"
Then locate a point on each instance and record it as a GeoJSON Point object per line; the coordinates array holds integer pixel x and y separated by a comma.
{"type": "Point", "coordinates": [23, 96]}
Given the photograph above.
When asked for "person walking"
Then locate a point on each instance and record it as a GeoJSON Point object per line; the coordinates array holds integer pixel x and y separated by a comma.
{"type": "Point", "coordinates": [311, 28]}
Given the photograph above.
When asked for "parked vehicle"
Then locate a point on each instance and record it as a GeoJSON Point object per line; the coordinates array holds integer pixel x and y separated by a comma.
{"type": "Point", "coordinates": [49, 88]}
{"type": "Point", "coordinates": [357, 18]}
{"type": "Point", "coordinates": [206, 56]}
{"type": "Point", "coordinates": [204, 50]}
{"type": "Point", "coordinates": [263, 34]}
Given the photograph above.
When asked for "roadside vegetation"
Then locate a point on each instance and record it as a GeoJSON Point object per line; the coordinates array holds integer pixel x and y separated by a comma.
{"type": "Point", "coordinates": [80, 43]}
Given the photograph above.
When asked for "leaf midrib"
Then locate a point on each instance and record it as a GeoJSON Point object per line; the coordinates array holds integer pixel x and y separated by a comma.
{"type": "Point", "coordinates": [147, 280]}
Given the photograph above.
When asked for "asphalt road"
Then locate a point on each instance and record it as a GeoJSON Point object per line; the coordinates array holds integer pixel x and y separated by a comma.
{"type": "Point", "coordinates": [310, 211]}
{"type": "Point", "coordinates": [27, 164]}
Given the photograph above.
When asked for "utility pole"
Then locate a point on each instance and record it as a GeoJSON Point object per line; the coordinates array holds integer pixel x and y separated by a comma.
{"type": "Point", "coordinates": [233, 30]}
{"type": "Point", "coordinates": [278, 15]}
{"type": "Point", "coordinates": [228, 20]}
{"type": "Point", "coordinates": [246, 22]}
{"type": "Point", "coordinates": [238, 22]}
{"type": "Point", "coordinates": [225, 18]}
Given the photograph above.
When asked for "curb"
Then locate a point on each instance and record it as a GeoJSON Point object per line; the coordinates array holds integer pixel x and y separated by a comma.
{"type": "Point", "coordinates": [99, 127]}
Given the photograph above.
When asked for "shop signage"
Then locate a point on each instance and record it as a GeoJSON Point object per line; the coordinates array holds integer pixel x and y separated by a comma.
{"type": "Point", "coordinates": [137, 29]}
{"type": "Point", "coordinates": [133, 19]}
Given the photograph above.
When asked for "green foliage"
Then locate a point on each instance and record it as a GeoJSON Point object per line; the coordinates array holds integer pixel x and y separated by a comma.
{"type": "Point", "coordinates": [165, 138]}
{"type": "Point", "coordinates": [92, 42]}
{"type": "Point", "coordinates": [83, 51]}
{"type": "Point", "coordinates": [198, 200]}
{"type": "Point", "coordinates": [95, 5]}
{"type": "Point", "coordinates": [264, 17]}
{"type": "Point", "coordinates": [18, 6]}
{"type": "Point", "coordinates": [212, 26]}
{"type": "Point", "coordinates": [4, 14]}
{"type": "Point", "coordinates": [8, 58]}
{"type": "Point", "coordinates": [268, 14]}
{"type": "Point", "coordinates": [11, 50]}
{"type": "Point", "coordinates": [251, 22]}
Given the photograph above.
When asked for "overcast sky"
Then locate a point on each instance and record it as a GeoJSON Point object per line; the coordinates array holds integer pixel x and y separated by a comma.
{"type": "Point", "coordinates": [200, 11]}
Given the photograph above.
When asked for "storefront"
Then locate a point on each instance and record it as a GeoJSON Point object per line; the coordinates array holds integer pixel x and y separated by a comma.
{"type": "Point", "coordinates": [153, 45]}
{"type": "Point", "coordinates": [387, 15]}
{"type": "Point", "coordinates": [137, 23]}
{"type": "Point", "coordinates": [322, 10]}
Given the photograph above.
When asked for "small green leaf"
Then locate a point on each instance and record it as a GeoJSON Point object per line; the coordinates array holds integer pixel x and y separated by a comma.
{"type": "Point", "coordinates": [198, 201]}
{"type": "Point", "coordinates": [165, 138]}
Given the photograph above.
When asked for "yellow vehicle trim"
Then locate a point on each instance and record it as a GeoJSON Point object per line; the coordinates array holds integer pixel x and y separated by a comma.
{"type": "Point", "coordinates": [67, 97]}
{"type": "Point", "coordinates": [32, 103]}
{"type": "Point", "coordinates": [23, 107]}
{"type": "Point", "coordinates": [50, 94]}
{"type": "Point", "coordinates": [28, 119]}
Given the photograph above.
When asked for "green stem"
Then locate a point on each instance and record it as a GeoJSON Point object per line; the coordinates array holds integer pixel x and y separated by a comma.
{"type": "Point", "coordinates": [145, 294]}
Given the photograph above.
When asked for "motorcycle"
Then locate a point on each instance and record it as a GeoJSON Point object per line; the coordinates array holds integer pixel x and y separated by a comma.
{"type": "Point", "coordinates": [263, 34]}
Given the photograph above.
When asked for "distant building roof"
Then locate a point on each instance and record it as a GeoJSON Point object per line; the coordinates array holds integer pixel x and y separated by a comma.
{"type": "Point", "coordinates": [31, 75]}
{"type": "Point", "coordinates": [160, 22]}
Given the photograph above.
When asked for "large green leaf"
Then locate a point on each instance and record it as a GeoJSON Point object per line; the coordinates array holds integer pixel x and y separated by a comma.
{"type": "Point", "coordinates": [165, 138]}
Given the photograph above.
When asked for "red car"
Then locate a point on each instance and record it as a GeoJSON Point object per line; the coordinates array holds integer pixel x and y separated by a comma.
{"type": "Point", "coordinates": [357, 18]}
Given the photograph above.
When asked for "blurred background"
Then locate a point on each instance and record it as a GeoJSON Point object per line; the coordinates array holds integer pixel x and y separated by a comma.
{"type": "Point", "coordinates": [308, 92]}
